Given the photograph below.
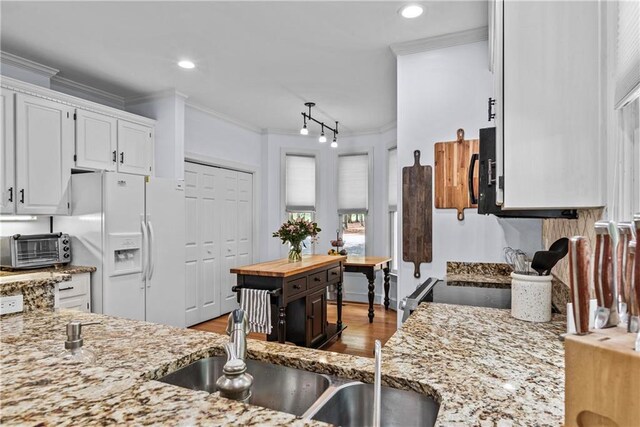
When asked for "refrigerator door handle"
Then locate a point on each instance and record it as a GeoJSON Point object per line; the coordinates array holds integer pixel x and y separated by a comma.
{"type": "Point", "coordinates": [144, 254]}
{"type": "Point", "coordinates": [151, 246]}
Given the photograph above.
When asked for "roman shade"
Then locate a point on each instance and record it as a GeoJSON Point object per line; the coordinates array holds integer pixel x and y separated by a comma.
{"type": "Point", "coordinates": [300, 183]}
{"type": "Point", "coordinates": [393, 179]}
{"type": "Point", "coordinates": [627, 85]}
{"type": "Point", "coordinates": [353, 183]}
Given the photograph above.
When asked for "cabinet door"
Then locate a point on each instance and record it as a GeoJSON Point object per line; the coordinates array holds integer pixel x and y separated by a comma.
{"type": "Point", "coordinates": [96, 141]}
{"type": "Point", "coordinates": [135, 148]}
{"type": "Point", "coordinates": [316, 316]}
{"type": "Point", "coordinates": [44, 155]}
{"type": "Point", "coordinates": [551, 105]}
{"type": "Point", "coordinates": [7, 154]}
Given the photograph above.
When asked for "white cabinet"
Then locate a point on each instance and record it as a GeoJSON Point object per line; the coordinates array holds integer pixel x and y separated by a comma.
{"type": "Point", "coordinates": [547, 65]}
{"type": "Point", "coordinates": [7, 154]}
{"type": "Point", "coordinates": [44, 155]}
{"type": "Point", "coordinates": [76, 293]}
{"type": "Point", "coordinates": [96, 141]}
{"type": "Point", "coordinates": [135, 148]}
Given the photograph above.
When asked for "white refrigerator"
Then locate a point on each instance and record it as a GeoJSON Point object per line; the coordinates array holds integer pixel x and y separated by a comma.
{"type": "Point", "coordinates": [132, 228]}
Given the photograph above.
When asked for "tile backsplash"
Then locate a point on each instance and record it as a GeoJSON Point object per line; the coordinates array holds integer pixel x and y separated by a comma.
{"type": "Point", "coordinates": [553, 229]}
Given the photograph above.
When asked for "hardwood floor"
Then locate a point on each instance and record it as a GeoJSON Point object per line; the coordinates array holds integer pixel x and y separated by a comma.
{"type": "Point", "coordinates": [357, 339]}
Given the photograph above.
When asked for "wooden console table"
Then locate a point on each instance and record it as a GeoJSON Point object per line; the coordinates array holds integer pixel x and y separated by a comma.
{"type": "Point", "coordinates": [368, 265]}
{"type": "Point", "coordinates": [299, 291]}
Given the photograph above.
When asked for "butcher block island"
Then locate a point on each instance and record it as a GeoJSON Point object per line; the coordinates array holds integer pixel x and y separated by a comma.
{"type": "Point", "coordinates": [299, 294]}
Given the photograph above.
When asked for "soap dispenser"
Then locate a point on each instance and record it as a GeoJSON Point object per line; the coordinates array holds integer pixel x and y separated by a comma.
{"type": "Point", "coordinates": [73, 349]}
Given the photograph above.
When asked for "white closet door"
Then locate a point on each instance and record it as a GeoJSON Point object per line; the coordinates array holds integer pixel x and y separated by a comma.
{"type": "Point", "coordinates": [229, 211]}
{"type": "Point", "coordinates": [202, 243]}
{"type": "Point", "coordinates": [237, 231]}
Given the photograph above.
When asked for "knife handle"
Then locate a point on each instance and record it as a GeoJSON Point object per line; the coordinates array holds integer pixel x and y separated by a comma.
{"type": "Point", "coordinates": [579, 282]}
{"type": "Point", "coordinates": [633, 302]}
{"type": "Point", "coordinates": [606, 278]}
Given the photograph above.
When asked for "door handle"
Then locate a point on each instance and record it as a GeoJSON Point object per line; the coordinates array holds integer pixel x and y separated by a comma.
{"type": "Point", "coordinates": [115, 156]}
{"type": "Point", "coordinates": [152, 258]}
{"type": "Point", "coordinates": [145, 247]}
{"type": "Point", "coordinates": [122, 157]}
{"type": "Point", "coordinates": [490, 112]}
{"type": "Point", "coordinates": [11, 194]}
{"type": "Point", "coordinates": [22, 195]}
{"type": "Point", "coordinates": [472, 168]}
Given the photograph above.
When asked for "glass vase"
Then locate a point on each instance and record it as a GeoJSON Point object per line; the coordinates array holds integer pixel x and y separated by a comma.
{"type": "Point", "coordinates": [295, 252]}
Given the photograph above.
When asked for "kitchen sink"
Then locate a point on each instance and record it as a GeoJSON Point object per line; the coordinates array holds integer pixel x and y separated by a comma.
{"type": "Point", "coordinates": [275, 387]}
{"type": "Point", "coordinates": [352, 405]}
{"type": "Point", "coordinates": [314, 396]}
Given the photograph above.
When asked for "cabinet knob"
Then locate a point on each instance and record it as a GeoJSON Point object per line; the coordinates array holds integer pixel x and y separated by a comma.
{"type": "Point", "coordinates": [310, 317]}
{"type": "Point", "coordinates": [22, 195]}
{"type": "Point", "coordinates": [115, 156]}
{"type": "Point", "coordinates": [11, 194]}
{"type": "Point", "coordinates": [122, 157]}
{"type": "Point", "coordinates": [296, 286]}
{"type": "Point", "coordinates": [316, 279]}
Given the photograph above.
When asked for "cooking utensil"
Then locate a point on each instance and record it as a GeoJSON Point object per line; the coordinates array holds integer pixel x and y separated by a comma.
{"type": "Point", "coordinates": [517, 260]}
{"type": "Point", "coordinates": [416, 214]}
{"type": "Point", "coordinates": [456, 177]}
{"type": "Point", "coordinates": [579, 282]}
{"type": "Point", "coordinates": [604, 282]}
{"type": "Point", "coordinates": [544, 261]}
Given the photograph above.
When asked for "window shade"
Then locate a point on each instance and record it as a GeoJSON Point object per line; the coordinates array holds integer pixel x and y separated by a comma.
{"type": "Point", "coordinates": [353, 183]}
{"type": "Point", "coordinates": [393, 179]}
{"type": "Point", "coordinates": [627, 86]}
{"type": "Point", "coordinates": [300, 183]}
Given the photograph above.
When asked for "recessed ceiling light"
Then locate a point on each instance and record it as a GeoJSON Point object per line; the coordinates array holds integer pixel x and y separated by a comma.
{"type": "Point", "coordinates": [411, 11]}
{"type": "Point", "coordinates": [187, 64]}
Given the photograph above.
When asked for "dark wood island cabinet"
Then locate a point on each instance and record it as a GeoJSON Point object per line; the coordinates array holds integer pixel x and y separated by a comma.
{"type": "Point", "coordinates": [298, 296]}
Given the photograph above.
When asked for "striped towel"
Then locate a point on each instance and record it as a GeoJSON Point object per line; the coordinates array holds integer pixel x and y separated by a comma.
{"type": "Point", "coordinates": [257, 304]}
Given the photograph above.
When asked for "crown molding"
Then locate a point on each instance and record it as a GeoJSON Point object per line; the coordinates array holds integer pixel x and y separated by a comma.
{"type": "Point", "coordinates": [87, 90]}
{"type": "Point", "coordinates": [440, 42]}
{"type": "Point", "coordinates": [133, 100]}
{"type": "Point", "coordinates": [27, 64]}
{"type": "Point", "coordinates": [224, 117]}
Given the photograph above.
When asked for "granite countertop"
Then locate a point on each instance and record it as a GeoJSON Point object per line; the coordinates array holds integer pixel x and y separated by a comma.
{"type": "Point", "coordinates": [483, 366]}
{"type": "Point", "coordinates": [60, 269]}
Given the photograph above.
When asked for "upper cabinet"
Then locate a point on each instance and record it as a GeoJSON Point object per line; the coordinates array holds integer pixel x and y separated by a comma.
{"type": "Point", "coordinates": [546, 61]}
{"type": "Point", "coordinates": [45, 134]}
{"type": "Point", "coordinates": [135, 148]}
{"type": "Point", "coordinates": [96, 141]}
{"type": "Point", "coordinates": [44, 155]}
{"type": "Point", "coordinates": [7, 153]}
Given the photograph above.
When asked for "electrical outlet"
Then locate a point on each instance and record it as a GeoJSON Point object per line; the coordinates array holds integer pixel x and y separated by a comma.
{"type": "Point", "coordinates": [11, 304]}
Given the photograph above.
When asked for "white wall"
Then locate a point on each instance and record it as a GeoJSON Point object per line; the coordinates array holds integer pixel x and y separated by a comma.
{"type": "Point", "coordinates": [213, 137]}
{"type": "Point", "coordinates": [440, 91]}
{"type": "Point", "coordinates": [168, 109]}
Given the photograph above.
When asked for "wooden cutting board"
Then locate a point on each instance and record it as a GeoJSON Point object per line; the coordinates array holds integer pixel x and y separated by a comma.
{"type": "Point", "coordinates": [416, 214]}
{"type": "Point", "coordinates": [452, 165]}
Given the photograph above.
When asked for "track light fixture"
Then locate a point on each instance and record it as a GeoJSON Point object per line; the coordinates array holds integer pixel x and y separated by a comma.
{"type": "Point", "coordinates": [322, 138]}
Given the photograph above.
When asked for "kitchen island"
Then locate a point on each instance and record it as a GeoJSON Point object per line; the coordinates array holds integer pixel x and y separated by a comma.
{"type": "Point", "coordinates": [483, 366]}
{"type": "Point", "coordinates": [298, 292]}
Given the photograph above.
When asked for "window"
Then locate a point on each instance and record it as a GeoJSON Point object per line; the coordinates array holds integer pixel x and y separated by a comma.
{"type": "Point", "coordinates": [300, 191]}
{"type": "Point", "coordinates": [392, 189]}
{"type": "Point", "coordinates": [353, 201]}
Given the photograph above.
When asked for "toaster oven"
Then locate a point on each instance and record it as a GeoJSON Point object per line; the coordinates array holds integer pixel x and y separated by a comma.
{"type": "Point", "coordinates": [35, 250]}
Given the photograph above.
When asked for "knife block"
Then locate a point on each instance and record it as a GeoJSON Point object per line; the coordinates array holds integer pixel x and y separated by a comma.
{"type": "Point", "coordinates": [602, 379]}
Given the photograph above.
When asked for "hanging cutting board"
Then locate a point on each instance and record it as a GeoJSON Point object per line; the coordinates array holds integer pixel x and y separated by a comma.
{"type": "Point", "coordinates": [416, 214]}
{"type": "Point", "coordinates": [454, 171]}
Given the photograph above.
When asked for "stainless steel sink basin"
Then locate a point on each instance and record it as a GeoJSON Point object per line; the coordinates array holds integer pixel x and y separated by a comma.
{"type": "Point", "coordinates": [352, 405]}
{"type": "Point", "coordinates": [276, 387]}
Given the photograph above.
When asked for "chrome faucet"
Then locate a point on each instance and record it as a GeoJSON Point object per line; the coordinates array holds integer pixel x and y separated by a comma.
{"type": "Point", "coordinates": [235, 383]}
{"type": "Point", "coordinates": [238, 329]}
{"type": "Point", "coordinates": [377, 386]}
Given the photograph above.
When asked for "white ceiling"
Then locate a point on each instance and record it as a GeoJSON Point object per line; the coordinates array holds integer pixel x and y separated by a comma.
{"type": "Point", "coordinates": [257, 62]}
